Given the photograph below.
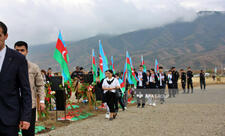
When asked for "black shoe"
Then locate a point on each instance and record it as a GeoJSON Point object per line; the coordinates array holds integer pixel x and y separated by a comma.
{"type": "Point", "coordinates": [110, 119]}
{"type": "Point", "coordinates": [114, 116]}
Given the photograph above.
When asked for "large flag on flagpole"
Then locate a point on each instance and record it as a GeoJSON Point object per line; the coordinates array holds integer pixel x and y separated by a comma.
{"type": "Point", "coordinates": [94, 68]}
{"type": "Point", "coordinates": [156, 66]}
{"type": "Point", "coordinates": [62, 57]}
{"type": "Point", "coordinates": [103, 62]}
{"type": "Point", "coordinates": [143, 64]}
{"type": "Point", "coordinates": [112, 65]}
{"type": "Point", "coordinates": [130, 70]}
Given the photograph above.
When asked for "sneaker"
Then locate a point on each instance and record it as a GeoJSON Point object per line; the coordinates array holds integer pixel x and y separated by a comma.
{"type": "Point", "coordinates": [125, 108]}
{"type": "Point", "coordinates": [107, 116]}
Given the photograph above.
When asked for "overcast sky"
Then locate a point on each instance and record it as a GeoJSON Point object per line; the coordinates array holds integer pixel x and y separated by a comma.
{"type": "Point", "coordinates": [39, 21]}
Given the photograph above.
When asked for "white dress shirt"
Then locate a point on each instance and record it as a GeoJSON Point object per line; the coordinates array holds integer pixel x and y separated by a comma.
{"type": "Point", "coordinates": [161, 77]}
{"type": "Point", "coordinates": [152, 78]}
{"type": "Point", "coordinates": [114, 84]}
{"type": "Point", "coordinates": [140, 76]}
{"type": "Point", "coordinates": [170, 78]}
{"type": "Point", "coordinates": [2, 57]}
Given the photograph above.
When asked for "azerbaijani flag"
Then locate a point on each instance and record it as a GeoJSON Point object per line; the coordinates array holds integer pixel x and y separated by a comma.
{"type": "Point", "coordinates": [112, 65]}
{"type": "Point", "coordinates": [130, 70]}
{"type": "Point", "coordinates": [156, 66]}
{"type": "Point", "coordinates": [103, 62]}
{"type": "Point", "coordinates": [94, 68]}
{"type": "Point", "coordinates": [62, 57]}
{"type": "Point", "coordinates": [143, 64]}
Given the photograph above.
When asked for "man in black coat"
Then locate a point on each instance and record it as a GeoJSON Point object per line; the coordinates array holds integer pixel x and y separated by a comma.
{"type": "Point", "coordinates": [175, 78]}
{"type": "Point", "coordinates": [202, 80]}
{"type": "Point", "coordinates": [15, 93]}
{"type": "Point", "coordinates": [183, 80]}
{"type": "Point", "coordinates": [161, 84]}
{"type": "Point", "coordinates": [189, 80]}
{"type": "Point", "coordinates": [141, 84]}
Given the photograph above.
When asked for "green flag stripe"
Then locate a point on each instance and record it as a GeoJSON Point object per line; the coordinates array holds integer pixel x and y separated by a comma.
{"type": "Point", "coordinates": [59, 58]}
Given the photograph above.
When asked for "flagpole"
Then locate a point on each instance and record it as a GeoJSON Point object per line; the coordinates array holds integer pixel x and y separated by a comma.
{"type": "Point", "coordinates": [92, 59]}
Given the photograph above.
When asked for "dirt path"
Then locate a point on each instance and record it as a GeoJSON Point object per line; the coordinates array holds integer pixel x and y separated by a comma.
{"type": "Point", "coordinates": [198, 114]}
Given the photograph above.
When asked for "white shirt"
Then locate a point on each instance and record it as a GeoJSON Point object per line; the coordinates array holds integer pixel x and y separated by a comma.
{"type": "Point", "coordinates": [170, 78]}
{"type": "Point", "coordinates": [152, 78]}
{"type": "Point", "coordinates": [161, 77]}
{"type": "Point", "coordinates": [2, 57]}
{"type": "Point", "coordinates": [114, 84]}
{"type": "Point", "coordinates": [140, 76]}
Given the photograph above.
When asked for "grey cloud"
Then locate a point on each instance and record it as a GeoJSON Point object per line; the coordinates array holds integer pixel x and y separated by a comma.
{"type": "Point", "coordinates": [39, 21]}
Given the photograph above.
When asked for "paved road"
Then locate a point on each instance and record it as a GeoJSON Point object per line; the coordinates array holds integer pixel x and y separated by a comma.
{"type": "Point", "coordinates": [198, 114]}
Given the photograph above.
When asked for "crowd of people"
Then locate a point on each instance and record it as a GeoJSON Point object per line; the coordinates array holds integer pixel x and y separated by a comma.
{"type": "Point", "coordinates": [154, 83]}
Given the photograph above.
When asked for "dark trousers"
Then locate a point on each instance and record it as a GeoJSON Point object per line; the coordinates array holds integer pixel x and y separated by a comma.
{"type": "Point", "coordinates": [202, 84]}
{"type": "Point", "coordinates": [31, 130]}
{"type": "Point", "coordinates": [111, 101]}
{"type": "Point", "coordinates": [189, 83]}
{"type": "Point", "coordinates": [141, 100]}
{"type": "Point", "coordinates": [171, 89]}
{"type": "Point", "coordinates": [8, 130]}
{"type": "Point", "coordinates": [184, 86]}
{"type": "Point", "coordinates": [175, 86]}
{"type": "Point", "coordinates": [162, 93]}
{"type": "Point", "coordinates": [120, 100]}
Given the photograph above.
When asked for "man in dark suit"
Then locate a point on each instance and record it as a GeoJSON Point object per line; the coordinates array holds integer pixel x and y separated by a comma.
{"type": "Point", "coordinates": [189, 79]}
{"type": "Point", "coordinates": [161, 84]}
{"type": "Point", "coordinates": [175, 76]}
{"type": "Point", "coordinates": [141, 84]}
{"type": "Point", "coordinates": [15, 94]}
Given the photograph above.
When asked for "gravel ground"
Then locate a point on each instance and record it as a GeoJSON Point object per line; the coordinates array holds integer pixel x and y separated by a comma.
{"type": "Point", "coordinates": [198, 114]}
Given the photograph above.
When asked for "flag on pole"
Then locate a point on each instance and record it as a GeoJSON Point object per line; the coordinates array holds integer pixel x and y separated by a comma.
{"type": "Point", "coordinates": [143, 64]}
{"type": "Point", "coordinates": [130, 70]}
{"type": "Point", "coordinates": [94, 68]}
{"type": "Point", "coordinates": [112, 65]}
{"type": "Point", "coordinates": [62, 57]}
{"type": "Point", "coordinates": [156, 66]}
{"type": "Point", "coordinates": [103, 62]}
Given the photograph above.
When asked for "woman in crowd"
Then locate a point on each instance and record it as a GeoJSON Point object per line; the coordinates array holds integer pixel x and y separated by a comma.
{"type": "Point", "coordinates": [152, 85]}
{"type": "Point", "coordinates": [202, 79]}
{"type": "Point", "coordinates": [170, 84]}
{"type": "Point", "coordinates": [110, 85]}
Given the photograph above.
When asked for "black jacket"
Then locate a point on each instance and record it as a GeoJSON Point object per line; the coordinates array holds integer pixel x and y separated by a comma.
{"type": "Point", "coordinates": [175, 76]}
{"type": "Point", "coordinates": [163, 82]}
{"type": "Point", "coordinates": [151, 84]}
{"type": "Point", "coordinates": [183, 77]}
{"type": "Point", "coordinates": [202, 76]}
{"type": "Point", "coordinates": [15, 93]}
{"type": "Point", "coordinates": [189, 75]}
{"type": "Point", "coordinates": [144, 77]}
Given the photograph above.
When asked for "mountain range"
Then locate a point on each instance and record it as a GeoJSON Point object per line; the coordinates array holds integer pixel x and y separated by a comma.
{"type": "Point", "coordinates": [199, 44]}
